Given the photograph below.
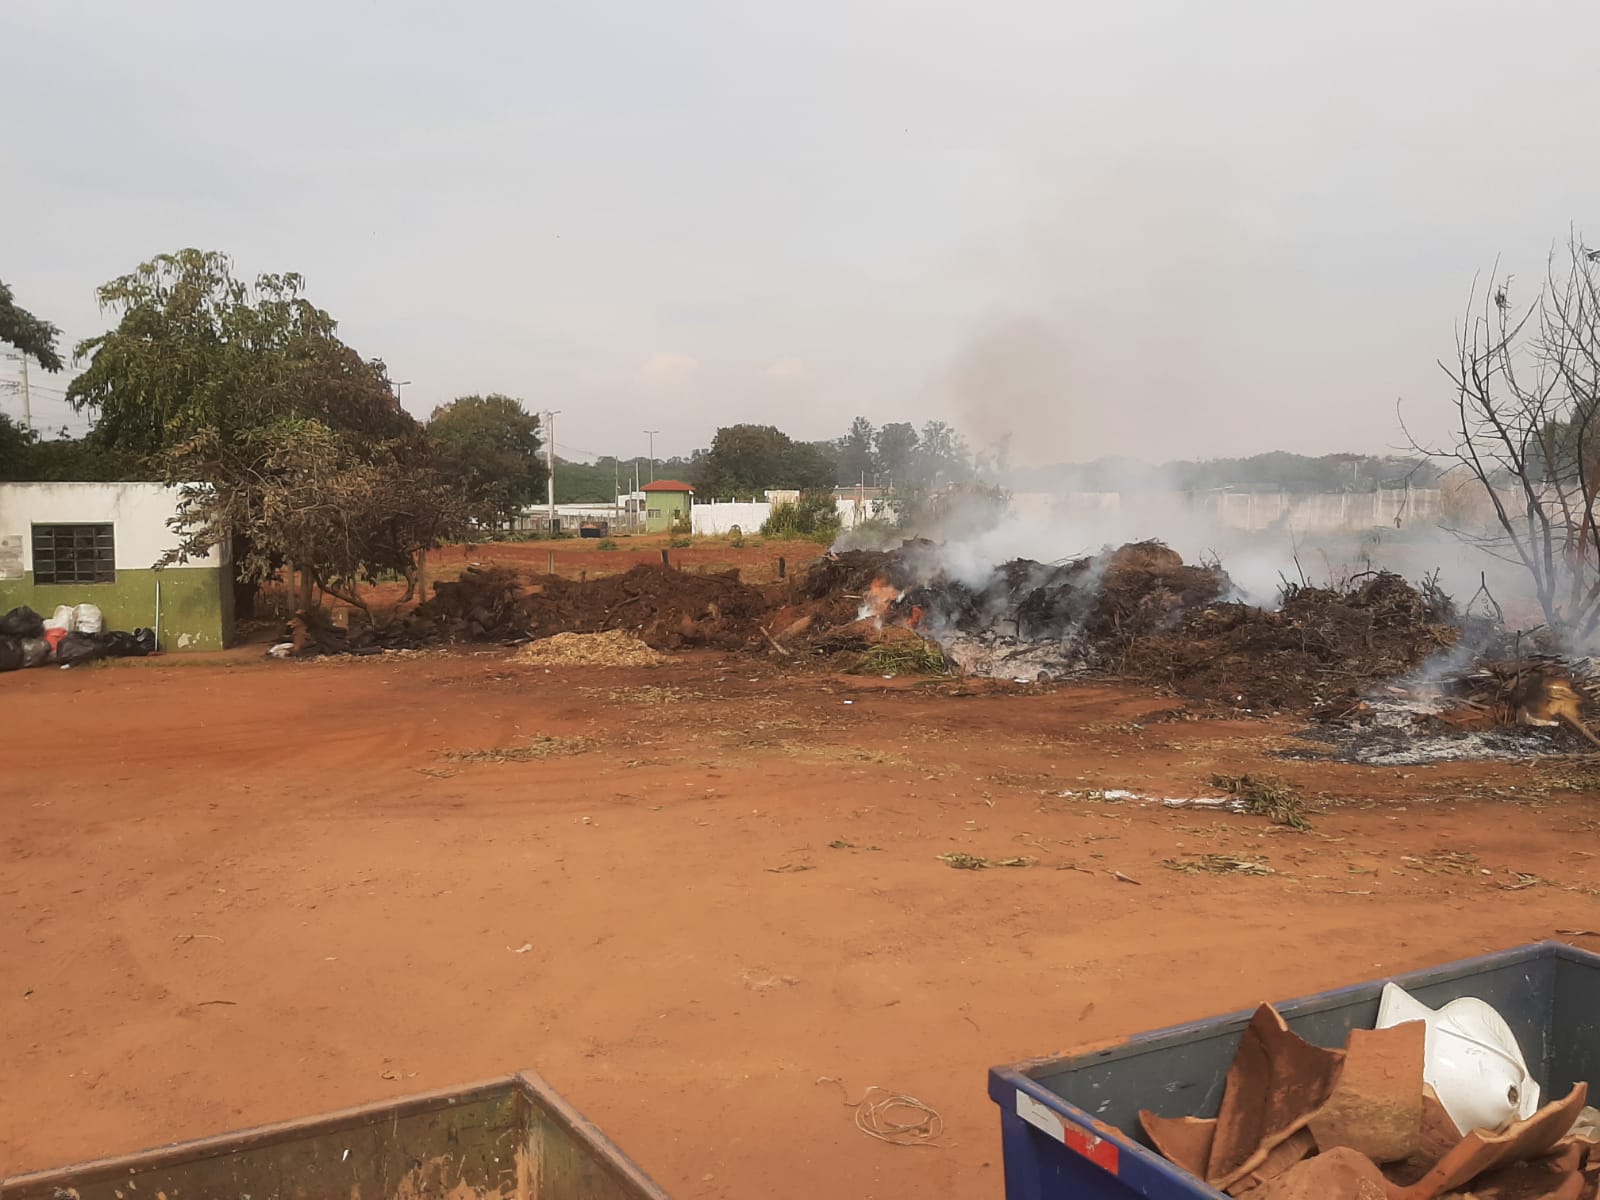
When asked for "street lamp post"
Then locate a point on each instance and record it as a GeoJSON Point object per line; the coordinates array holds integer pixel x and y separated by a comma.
{"type": "Point", "coordinates": [550, 462]}
{"type": "Point", "coordinates": [652, 433]}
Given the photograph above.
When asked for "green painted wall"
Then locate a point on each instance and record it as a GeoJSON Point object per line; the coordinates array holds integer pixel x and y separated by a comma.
{"type": "Point", "coordinates": [670, 505]}
{"type": "Point", "coordinates": [196, 603]}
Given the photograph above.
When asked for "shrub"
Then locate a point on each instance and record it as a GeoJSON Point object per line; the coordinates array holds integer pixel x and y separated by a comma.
{"type": "Point", "coordinates": [606, 544]}
{"type": "Point", "coordinates": [681, 543]}
{"type": "Point", "coordinates": [815, 517]}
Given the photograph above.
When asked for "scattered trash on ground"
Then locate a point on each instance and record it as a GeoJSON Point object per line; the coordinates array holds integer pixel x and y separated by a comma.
{"type": "Point", "coordinates": [72, 636]}
{"type": "Point", "coordinates": [892, 1117]}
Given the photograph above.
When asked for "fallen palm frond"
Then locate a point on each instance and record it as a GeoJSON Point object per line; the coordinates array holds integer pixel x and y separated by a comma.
{"type": "Point", "coordinates": [1266, 796]}
{"type": "Point", "coordinates": [1219, 864]}
{"type": "Point", "coordinates": [963, 861]}
{"type": "Point", "coordinates": [919, 657]}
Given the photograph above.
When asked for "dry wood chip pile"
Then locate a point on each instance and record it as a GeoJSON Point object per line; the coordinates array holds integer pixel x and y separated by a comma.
{"type": "Point", "coordinates": [614, 648]}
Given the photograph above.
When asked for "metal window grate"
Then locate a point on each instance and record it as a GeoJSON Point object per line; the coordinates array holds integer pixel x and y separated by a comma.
{"type": "Point", "coordinates": [74, 554]}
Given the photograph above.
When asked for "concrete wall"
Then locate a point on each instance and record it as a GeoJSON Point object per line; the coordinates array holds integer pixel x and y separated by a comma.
{"type": "Point", "coordinates": [717, 517]}
{"type": "Point", "coordinates": [196, 599]}
{"type": "Point", "coordinates": [1349, 511]}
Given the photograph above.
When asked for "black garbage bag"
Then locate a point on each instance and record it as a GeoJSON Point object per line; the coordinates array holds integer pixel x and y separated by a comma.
{"type": "Point", "coordinates": [118, 643]}
{"type": "Point", "coordinates": [35, 652]}
{"type": "Point", "coordinates": [78, 648]}
{"type": "Point", "coordinates": [10, 654]}
{"type": "Point", "coordinates": [22, 622]}
{"type": "Point", "coordinates": [146, 639]}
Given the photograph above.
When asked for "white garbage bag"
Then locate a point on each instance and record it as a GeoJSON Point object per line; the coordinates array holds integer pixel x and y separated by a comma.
{"type": "Point", "coordinates": [1470, 1058]}
{"type": "Point", "coordinates": [65, 617]}
{"type": "Point", "coordinates": [88, 619]}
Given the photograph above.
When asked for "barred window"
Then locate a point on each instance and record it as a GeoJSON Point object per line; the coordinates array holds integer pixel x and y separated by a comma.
{"type": "Point", "coordinates": [74, 554]}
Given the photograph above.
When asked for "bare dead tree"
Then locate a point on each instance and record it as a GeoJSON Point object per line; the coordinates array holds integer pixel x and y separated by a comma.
{"type": "Point", "coordinates": [1527, 429]}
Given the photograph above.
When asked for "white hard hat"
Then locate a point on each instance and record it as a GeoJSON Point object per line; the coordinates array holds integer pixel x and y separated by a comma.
{"type": "Point", "coordinates": [1470, 1058]}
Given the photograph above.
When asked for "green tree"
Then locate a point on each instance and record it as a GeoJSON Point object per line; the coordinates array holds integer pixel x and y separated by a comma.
{"type": "Point", "coordinates": [197, 349]}
{"type": "Point", "coordinates": [857, 454]}
{"type": "Point", "coordinates": [748, 459]}
{"type": "Point", "coordinates": [16, 450]}
{"type": "Point", "coordinates": [896, 447]}
{"type": "Point", "coordinates": [27, 333]}
{"type": "Point", "coordinates": [199, 358]}
{"type": "Point", "coordinates": [941, 456]}
{"type": "Point", "coordinates": [490, 445]}
{"type": "Point", "coordinates": [341, 507]}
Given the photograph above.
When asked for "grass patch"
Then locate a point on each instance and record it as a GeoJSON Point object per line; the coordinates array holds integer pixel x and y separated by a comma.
{"type": "Point", "coordinates": [538, 747]}
{"type": "Point", "coordinates": [920, 657]}
{"type": "Point", "coordinates": [1266, 796]}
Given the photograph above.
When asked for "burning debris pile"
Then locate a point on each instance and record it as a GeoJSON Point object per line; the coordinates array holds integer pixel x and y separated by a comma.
{"type": "Point", "coordinates": [1140, 612]}
{"type": "Point", "coordinates": [1385, 664]}
{"type": "Point", "coordinates": [1494, 704]}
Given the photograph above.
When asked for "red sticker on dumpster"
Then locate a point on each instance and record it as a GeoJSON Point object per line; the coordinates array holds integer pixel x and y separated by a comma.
{"type": "Point", "coordinates": [1096, 1149]}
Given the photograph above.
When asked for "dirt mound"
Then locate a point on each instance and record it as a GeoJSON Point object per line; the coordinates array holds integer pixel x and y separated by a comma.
{"type": "Point", "coordinates": [480, 605]}
{"type": "Point", "coordinates": [613, 648]}
{"type": "Point", "coordinates": [1322, 645]}
{"type": "Point", "coordinates": [666, 608]}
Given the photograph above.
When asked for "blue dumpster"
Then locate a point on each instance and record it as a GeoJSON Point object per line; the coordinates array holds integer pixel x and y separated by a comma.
{"type": "Point", "coordinates": [1070, 1126]}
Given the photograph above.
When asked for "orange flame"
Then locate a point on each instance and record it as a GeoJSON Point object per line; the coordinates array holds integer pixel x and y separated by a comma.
{"type": "Point", "coordinates": [879, 597]}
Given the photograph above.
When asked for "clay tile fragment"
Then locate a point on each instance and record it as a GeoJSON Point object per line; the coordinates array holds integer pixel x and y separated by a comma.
{"type": "Point", "coordinates": [1481, 1152]}
{"type": "Point", "coordinates": [1278, 1080]}
{"type": "Point", "coordinates": [1185, 1141]}
{"type": "Point", "coordinates": [1283, 1157]}
{"type": "Point", "coordinates": [1376, 1105]}
{"type": "Point", "coordinates": [1558, 1177]}
{"type": "Point", "coordinates": [1338, 1174]}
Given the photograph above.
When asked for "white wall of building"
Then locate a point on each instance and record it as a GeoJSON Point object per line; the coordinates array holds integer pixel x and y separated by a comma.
{"type": "Point", "coordinates": [719, 518]}
{"type": "Point", "coordinates": [138, 513]}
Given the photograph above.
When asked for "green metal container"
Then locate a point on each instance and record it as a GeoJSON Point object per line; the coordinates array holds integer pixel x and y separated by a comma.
{"type": "Point", "coordinates": [511, 1139]}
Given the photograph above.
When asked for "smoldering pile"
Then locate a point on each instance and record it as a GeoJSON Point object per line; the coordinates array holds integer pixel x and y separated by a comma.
{"type": "Point", "coordinates": [1140, 613]}
{"type": "Point", "coordinates": [1489, 698]}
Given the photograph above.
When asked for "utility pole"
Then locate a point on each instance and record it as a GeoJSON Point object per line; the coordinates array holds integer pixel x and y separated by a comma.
{"type": "Point", "coordinates": [652, 433]}
{"type": "Point", "coordinates": [550, 461]}
{"type": "Point", "coordinates": [27, 400]}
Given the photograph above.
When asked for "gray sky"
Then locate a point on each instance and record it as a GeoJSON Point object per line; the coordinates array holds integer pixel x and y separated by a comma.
{"type": "Point", "coordinates": [1155, 227]}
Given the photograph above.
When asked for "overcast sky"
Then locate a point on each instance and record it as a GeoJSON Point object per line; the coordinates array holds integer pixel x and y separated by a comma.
{"type": "Point", "coordinates": [1151, 227]}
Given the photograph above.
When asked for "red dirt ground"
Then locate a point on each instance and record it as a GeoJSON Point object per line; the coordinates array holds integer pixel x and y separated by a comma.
{"type": "Point", "coordinates": [237, 891]}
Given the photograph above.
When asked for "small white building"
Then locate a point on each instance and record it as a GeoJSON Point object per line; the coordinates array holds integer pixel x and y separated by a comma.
{"type": "Point", "coordinates": [98, 543]}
